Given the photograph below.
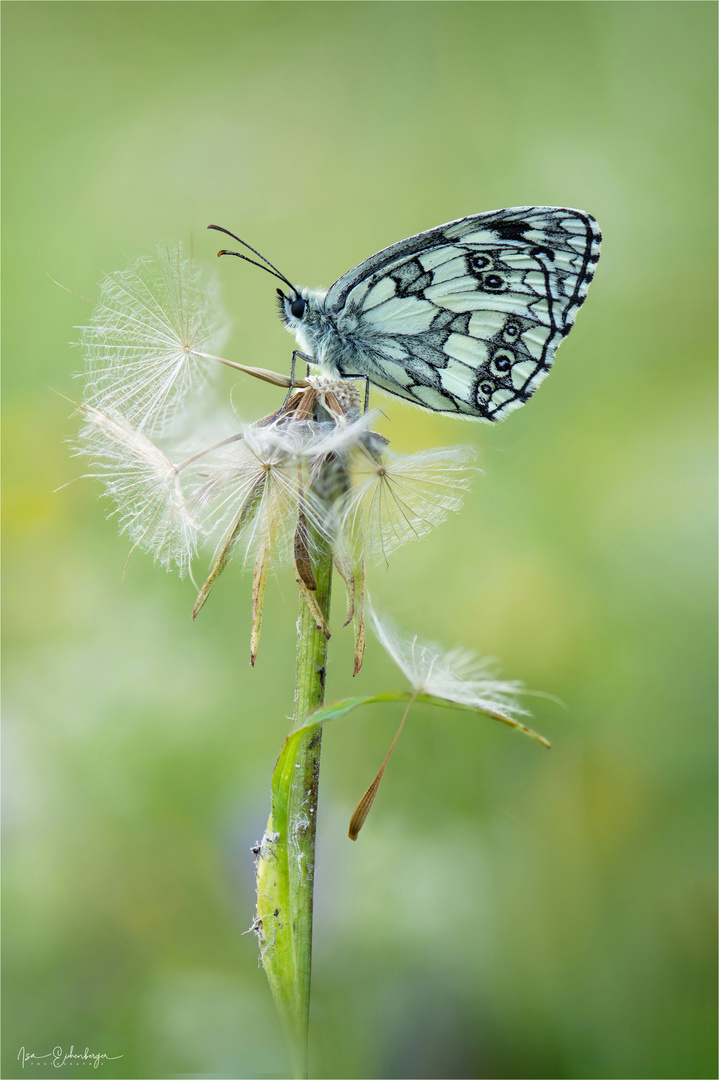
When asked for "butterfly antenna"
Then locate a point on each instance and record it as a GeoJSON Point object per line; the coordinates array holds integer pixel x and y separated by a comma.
{"type": "Point", "coordinates": [273, 268]}
{"type": "Point", "coordinates": [239, 255]}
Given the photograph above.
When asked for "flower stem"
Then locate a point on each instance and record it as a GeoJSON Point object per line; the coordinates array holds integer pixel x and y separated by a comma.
{"type": "Point", "coordinates": [286, 860]}
{"type": "Point", "coordinates": [309, 696]}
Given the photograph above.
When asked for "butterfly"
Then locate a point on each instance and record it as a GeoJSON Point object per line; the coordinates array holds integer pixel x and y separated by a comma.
{"type": "Point", "coordinates": [464, 318]}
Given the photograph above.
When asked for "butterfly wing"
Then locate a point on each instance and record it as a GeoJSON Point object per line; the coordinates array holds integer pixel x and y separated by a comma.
{"type": "Point", "coordinates": [466, 318]}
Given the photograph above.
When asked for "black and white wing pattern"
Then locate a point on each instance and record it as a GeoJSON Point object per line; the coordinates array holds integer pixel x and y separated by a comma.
{"type": "Point", "coordinates": [466, 318]}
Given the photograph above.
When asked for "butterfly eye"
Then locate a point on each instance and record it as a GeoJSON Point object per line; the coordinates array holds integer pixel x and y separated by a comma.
{"type": "Point", "coordinates": [480, 262]}
{"type": "Point", "coordinates": [493, 282]}
{"type": "Point", "coordinates": [511, 330]}
{"type": "Point", "coordinates": [486, 388]}
{"type": "Point", "coordinates": [297, 307]}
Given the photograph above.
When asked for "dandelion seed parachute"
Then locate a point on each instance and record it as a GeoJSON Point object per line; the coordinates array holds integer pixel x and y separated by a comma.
{"type": "Point", "coordinates": [394, 500]}
{"type": "Point", "coordinates": [459, 675]}
{"type": "Point", "coordinates": [144, 486]}
{"type": "Point", "coordinates": [144, 343]}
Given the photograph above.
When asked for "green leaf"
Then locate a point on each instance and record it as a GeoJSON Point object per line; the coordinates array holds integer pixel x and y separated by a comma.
{"type": "Point", "coordinates": [337, 709]}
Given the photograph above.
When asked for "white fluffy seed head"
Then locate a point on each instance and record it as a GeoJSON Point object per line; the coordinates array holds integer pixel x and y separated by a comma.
{"type": "Point", "coordinates": [142, 347]}
{"type": "Point", "coordinates": [143, 485]}
{"type": "Point", "coordinates": [346, 392]}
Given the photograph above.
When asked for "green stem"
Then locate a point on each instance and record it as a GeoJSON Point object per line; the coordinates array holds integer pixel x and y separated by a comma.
{"type": "Point", "coordinates": [286, 861]}
{"type": "Point", "coordinates": [309, 696]}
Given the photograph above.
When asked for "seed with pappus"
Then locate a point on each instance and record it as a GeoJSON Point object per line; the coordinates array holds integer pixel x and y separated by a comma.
{"type": "Point", "coordinates": [143, 484]}
{"type": "Point", "coordinates": [458, 679]}
{"type": "Point", "coordinates": [396, 499]}
{"type": "Point", "coordinates": [149, 342]}
{"type": "Point", "coordinates": [458, 676]}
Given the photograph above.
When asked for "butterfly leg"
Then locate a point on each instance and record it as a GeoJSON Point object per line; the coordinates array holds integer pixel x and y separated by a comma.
{"type": "Point", "coordinates": [295, 354]}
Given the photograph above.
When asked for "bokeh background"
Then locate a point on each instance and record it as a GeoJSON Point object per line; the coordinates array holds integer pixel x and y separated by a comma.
{"type": "Point", "coordinates": [507, 912]}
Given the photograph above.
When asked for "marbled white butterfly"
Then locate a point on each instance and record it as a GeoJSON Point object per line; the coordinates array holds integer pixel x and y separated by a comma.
{"type": "Point", "coordinates": [464, 318]}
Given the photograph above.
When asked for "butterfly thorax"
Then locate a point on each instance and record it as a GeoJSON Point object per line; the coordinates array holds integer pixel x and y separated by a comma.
{"type": "Point", "coordinates": [338, 341]}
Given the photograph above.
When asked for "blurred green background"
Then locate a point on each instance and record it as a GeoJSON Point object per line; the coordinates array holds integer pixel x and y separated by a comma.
{"type": "Point", "coordinates": [507, 912]}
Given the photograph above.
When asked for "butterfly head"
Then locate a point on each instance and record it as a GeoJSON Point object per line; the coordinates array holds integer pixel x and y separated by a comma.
{"type": "Point", "coordinates": [293, 308]}
{"type": "Point", "coordinates": [302, 312]}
